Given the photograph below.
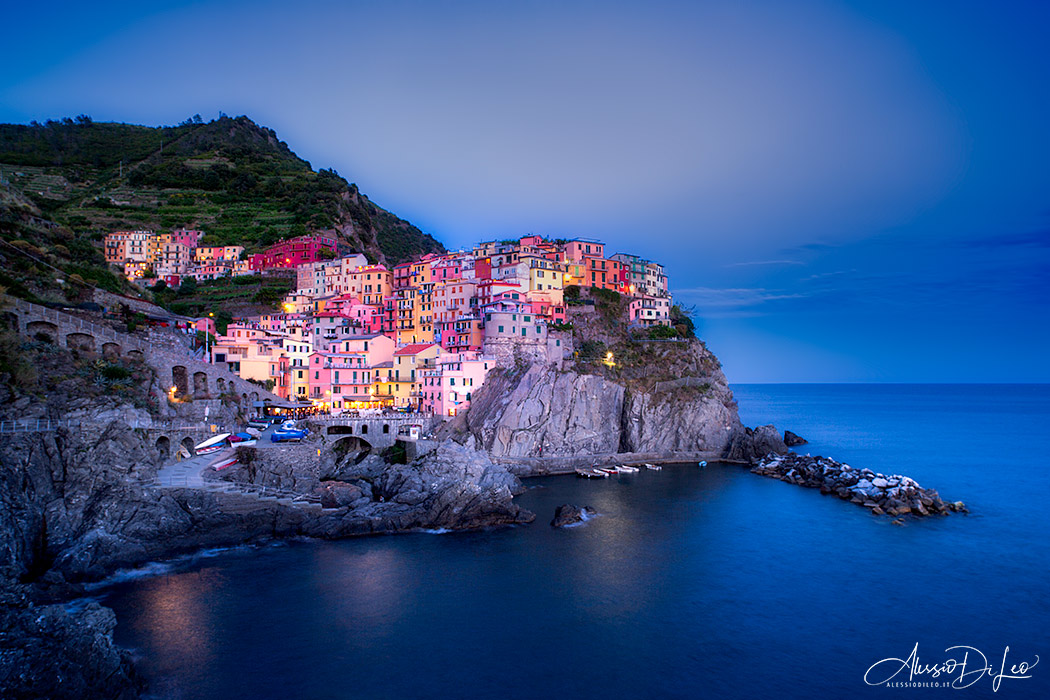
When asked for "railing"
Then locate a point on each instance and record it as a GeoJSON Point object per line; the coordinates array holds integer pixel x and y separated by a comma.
{"type": "Point", "coordinates": [29, 425]}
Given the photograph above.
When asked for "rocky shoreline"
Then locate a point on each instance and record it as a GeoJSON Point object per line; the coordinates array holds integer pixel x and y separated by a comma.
{"type": "Point", "coordinates": [883, 494]}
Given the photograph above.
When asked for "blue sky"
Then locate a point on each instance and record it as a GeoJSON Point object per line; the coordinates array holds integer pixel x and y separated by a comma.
{"type": "Point", "coordinates": [845, 191]}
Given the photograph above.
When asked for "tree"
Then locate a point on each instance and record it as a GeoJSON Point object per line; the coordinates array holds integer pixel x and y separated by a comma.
{"type": "Point", "coordinates": [188, 287]}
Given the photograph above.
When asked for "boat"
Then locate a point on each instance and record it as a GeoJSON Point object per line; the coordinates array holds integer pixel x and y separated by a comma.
{"type": "Point", "coordinates": [702, 464]}
{"type": "Point", "coordinates": [629, 470]}
{"type": "Point", "coordinates": [609, 470]}
{"type": "Point", "coordinates": [223, 463]}
{"type": "Point", "coordinates": [242, 439]}
{"type": "Point", "coordinates": [212, 444]}
{"type": "Point", "coordinates": [653, 467]}
{"type": "Point", "coordinates": [591, 474]}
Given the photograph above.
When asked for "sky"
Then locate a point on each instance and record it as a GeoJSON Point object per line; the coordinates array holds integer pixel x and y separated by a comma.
{"type": "Point", "coordinates": [841, 191]}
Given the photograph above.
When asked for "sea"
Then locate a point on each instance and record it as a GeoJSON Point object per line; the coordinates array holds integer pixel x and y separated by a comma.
{"type": "Point", "coordinates": [689, 582]}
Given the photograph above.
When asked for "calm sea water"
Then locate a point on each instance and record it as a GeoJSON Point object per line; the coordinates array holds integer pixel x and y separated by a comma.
{"type": "Point", "coordinates": [691, 583]}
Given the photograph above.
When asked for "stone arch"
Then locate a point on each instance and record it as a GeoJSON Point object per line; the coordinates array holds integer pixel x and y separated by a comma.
{"type": "Point", "coordinates": [364, 428]}
{"type": "Point", "coordinates": [386, 428]}
{"type": "Point", "coordinates": [80, 341]}
{"type": "Point", "coordinates": [351, 447]}
{"type": "Point", "coordinates": [200, 385]}
{"type": "Point", "coordinates": [244, 399]}
{"type": "Point", "coordinates": [110, 350]}
{"type": "Point", "coordinates": [255, 396]}
{"type": "Point", "coordinates": [38, 329]}
{"type": "Point", "coordinates": [233, 387]}
{"type": "Point", "coordinates": [180, 380]}
{"type": "Point", "coordinates": [187, 445]}
{"type": "Point", "coordinates": [163, 447]}
{"type": "Point", "coordinates": [137, 354]}
{"type": "Point", "coordinates": [220, 385]}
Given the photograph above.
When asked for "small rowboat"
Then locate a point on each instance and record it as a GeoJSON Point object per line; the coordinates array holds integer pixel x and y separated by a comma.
{"type": "Point", "coordinates": [609, 470]}
{"type": "Point", "coordinates": [212, 444]}
{"type": "Point", "coordinates": [629, 470]}
{"type": "Point", "coordinates": [653, 467]}
{"type": "Point", "coordinates": [591, 474]}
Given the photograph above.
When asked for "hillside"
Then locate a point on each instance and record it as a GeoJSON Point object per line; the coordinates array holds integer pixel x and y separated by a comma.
{"type": "Point", "coordinates": [69, 182]}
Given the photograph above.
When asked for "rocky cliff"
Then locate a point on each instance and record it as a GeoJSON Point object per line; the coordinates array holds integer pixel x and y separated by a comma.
{"type": "Point", "coordinates": [682, 405]}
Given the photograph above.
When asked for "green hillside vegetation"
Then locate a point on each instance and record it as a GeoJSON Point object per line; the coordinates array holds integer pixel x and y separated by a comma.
{"type": "Point", "coordinates": [70, 182]}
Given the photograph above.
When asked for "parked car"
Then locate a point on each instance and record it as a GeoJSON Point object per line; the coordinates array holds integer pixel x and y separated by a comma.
{"type": "Point", "coordinates": [284, 434]}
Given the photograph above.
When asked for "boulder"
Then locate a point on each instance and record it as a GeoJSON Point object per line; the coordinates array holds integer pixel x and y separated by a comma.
{"type": "Point", "coordinates": [792, 440]}
{"type": "Point", "coordinates": [568, 514]}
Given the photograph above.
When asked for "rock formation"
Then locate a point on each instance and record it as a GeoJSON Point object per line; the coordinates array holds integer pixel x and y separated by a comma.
{"type": "Point", "coordinates": [792, 440]}
{"type": "Point", "coordinates": [568, 514]}
{"type": "Point", "coordinates": [890, 494]}
{"type": "Point", "coordinates": [544, 412]}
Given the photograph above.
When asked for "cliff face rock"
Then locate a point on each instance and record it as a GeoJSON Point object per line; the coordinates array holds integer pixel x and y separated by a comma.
{"type": "Point", "coordinates": [46, 651]}
{"type": "Point", "coordinates": [545, 412]}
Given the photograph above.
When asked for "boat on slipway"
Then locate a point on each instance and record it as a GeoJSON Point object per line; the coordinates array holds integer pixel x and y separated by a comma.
{"type": "Point", "coordinates": [211, 445]}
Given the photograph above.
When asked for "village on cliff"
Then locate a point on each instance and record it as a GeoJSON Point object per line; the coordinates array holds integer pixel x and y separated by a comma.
{"type": "Point", "coordinates": [419, 337]}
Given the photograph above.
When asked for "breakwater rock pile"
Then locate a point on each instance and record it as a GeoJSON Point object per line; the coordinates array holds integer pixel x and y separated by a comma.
{"type": "Point", "coordinates": [884, 494]}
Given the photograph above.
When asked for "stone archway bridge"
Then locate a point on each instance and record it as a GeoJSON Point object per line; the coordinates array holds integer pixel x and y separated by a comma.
{"type": "Point", "coordinates": [378, 431]}
{"type": "Point", "coordinates": [176, 367]}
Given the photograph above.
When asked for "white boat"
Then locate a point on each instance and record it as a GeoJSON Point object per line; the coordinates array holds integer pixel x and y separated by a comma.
{"type": "Point", "coordinates": [212, 444]}
{"type": "Point", "coordinates": [629, 470]}
{"type": "Point", "coordinates": [609, 470]}
{"type": "Point", "coordinates": [653, 467]}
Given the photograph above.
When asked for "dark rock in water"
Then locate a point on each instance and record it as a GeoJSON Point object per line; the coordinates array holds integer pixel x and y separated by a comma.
{"type": "Point", "coordinates": [752, 444]}
{"type": "Point", "coordinates": [568, 514]}
{"type": "Point", "coordinates": [792, 440]}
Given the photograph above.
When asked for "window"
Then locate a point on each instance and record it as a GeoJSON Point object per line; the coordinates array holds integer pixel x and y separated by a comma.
{"type": "Point", "coordinates": [528, 319]}
{"type": "Point", "coordinates": [523, 331]}
{"type": "Point", "coordinates": [501, 329]}
{"type": "Point", "coordinates": [299, 374]}
{"type": "Point", "coordinates": [538, 330]}
{"type": "Point", "coordinates": [317, 375]}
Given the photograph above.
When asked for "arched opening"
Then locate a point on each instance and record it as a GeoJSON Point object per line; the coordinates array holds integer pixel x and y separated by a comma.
{"type": "Point", "coordinates": [81, 342]}
{"type": "Point", "coordinates": [364, 428]}
{"type": "Point", "coordinates": [180, 381]}
{"type": "Point", "coordinates": [220, 385]}
{"type": "Point", "coordinates": [200, 385]}
{"type": "Point", "coordinates": [163, 448]}
{"type": "Point", "coordinates": [110, 350]}
{"type": "Point", "coordinates": [386, 428]}
{"type": "Point", "coordinates": [39, 330]}
{"type": "Point", "coordinates": [351, 449]}
{"type": "Point", "coordinates": [340, 430]}
{"type": "Point", "coordinates": [137, 354]}
{"type": "Point", "coordinates": [186, 448]}
{"type": "Point", "coordinates": [255, 396]}
{"type": "Point", "coordinates": [244, 399]}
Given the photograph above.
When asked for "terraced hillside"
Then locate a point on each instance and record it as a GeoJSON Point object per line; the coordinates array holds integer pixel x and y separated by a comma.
{"type": "Point", "coordinates": [65, 184]}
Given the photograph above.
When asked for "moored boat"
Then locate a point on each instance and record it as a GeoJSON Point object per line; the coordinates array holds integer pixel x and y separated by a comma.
{"type": "Point", "coordinates": [628, 469]}
{"type": "Point", "coordinates": [653, 467]}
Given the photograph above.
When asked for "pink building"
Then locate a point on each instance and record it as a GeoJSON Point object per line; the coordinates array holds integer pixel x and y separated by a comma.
{"type": "Point", "coordinates": [341, 381]}
{"type": "Point", "coordinates": [186, 237]}
{"type": "Point", "coordinates": [448, 387]}
{"type": "Point", "coordinates": [293, 252]}
{"type": "Point", "coordinates": [583, 248]}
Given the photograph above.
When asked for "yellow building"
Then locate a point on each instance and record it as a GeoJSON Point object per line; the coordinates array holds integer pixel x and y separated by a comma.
{"type": "Point", "coordinates": [402, 382]}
